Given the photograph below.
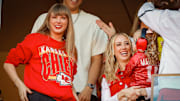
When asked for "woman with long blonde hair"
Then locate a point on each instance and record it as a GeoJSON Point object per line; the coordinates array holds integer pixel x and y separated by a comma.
{"type": "Point", "coordinates": [114, 81]}
{"type": "Point", "coordinates": [49, 57]}
{"type": "Point", "coordinates": [117, 79]}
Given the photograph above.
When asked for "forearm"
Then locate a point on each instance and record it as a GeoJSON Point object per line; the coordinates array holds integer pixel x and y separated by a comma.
{"type": "Point", "coordinates": [11, 71]}
{"type": "Point", "coordinates": [94, 71]}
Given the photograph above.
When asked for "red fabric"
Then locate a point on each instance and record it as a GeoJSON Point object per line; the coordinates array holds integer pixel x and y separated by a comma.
{"type": "Point", "coordinates": [140, 70]}
{"type": "Point", "coordinates": [118, 85]}
{"type": "Point", "coordinates": [141, 44]}
{"type": "Point", "coordinates": [48, 69]}
{"type": "Point", "coordinates": [167, 94]}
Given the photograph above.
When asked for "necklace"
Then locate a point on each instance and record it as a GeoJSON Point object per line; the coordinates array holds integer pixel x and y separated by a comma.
{"type": "Point", "coordinates": [77, 17]}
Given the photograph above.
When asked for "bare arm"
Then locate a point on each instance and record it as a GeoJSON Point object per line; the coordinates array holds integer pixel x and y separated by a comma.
{"type": "Point", "coordinates": [94, 71]}
{"type": "Point", "coordinates": [23, 90]}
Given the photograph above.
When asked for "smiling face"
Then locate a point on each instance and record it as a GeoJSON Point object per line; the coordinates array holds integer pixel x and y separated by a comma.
{"type": "Point", "coordinates": [122, 48]}
{"type": "Point", "coordinates": [73, 5]}
{"type": "Point", "coordinates": [58, 23]}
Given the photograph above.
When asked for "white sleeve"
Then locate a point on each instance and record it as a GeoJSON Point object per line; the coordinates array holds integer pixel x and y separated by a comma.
{"type": "Point", "coordinates": [39, 21]}
{"type": "Point", "coordinates": [150, 16]}
{"type": "Point", "coordinates": [105, 92]}
{"type": "Point", "coordinates": [100, 40]}
{"type": "Point", "coordinates": [161, 21]}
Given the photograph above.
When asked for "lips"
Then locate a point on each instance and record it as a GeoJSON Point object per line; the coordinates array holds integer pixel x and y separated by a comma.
{"type": "Point", "coordinates": [74, 1]}
{"type": "Point", "coordinates": [58, 26]}
{"type": "Point", "coordinates": [124, 53]}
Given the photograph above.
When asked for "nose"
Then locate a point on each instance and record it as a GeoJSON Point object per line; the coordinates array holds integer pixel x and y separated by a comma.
{"type": "Point", "coordinates": [58, 20]}
{"type": "Point", "coordinates": [123, 46]}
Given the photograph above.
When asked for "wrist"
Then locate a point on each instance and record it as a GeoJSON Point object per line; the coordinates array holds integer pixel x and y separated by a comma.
{"type": "Point", "coordinates": [91, 86]}
{"type": "Point", "coordinates": [18, 83]}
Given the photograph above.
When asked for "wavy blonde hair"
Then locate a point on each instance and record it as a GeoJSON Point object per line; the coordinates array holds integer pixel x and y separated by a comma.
{"type": "Point", "coordinates": [111, 64]}
{"type": "Point", "coordinates": [152, 49]}
{"type": "Point", "coordinates": [59, 9]}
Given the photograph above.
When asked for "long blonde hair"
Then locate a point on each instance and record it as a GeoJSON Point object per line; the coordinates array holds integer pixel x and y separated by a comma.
{"type": "Point", "coordinates": [59, 9]}
{"type": "Point", "coordinates": [111, 64]}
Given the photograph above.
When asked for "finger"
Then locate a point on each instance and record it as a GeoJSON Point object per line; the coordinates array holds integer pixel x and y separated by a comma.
{"type": "Point", "coordinates": [22, 98]}
{"type": "Point", "coordinates": [136, 87]}
{"type": "Point", "coordinates": [98, 22]}
{"type": "Point", "coordinates": [29, 91]}
{"type": "Point", "coordinates": [79, 97]}
{"type": "Point", "coordinates": [124, 99]}
{"type": "Point", "coordinates": [111, 25]}
{"type": "Point", "coordinates": [26, 98]}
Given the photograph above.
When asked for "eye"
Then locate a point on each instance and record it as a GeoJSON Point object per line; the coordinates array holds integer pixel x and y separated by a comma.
{"type": "Point", "coordinates": [118, 44]}
{"type": "Point", "coordinates": [63, 17]}
{"type": "Point", "coordinates": [53, 16]}
{"type": "Point", "coordinates": [127, 43]}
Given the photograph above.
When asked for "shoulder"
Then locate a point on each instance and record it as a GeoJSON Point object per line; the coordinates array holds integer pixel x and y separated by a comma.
{"type": "Point", "coordinates": [89, 16]}
{"type": "Point", "coordinates": [41, 18]}
{"type": "Point", "coordinates": [35, 37]}
{"type": "Point", "coordinates": [43, 15]}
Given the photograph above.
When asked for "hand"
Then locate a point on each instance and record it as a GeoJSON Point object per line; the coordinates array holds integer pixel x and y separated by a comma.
{"type": "Point", "coordinates": [108, 29]}
{"type": "Point", "coordinates": [75, 95]}
{"type": "Point", "coordinates": [129, 94]}
{"type": "Point", "coordinates": [85, 95]}
{"type": "Point", "coordinates": [23, 90]}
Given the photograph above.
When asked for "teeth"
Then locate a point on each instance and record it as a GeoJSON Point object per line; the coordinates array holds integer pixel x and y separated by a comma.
{"type": "Point", "coordinates": [58, 26]}
{"type": "Point", "coordinates": [74, 0]}
{"type": "Point", "coordinates": [123, 53]}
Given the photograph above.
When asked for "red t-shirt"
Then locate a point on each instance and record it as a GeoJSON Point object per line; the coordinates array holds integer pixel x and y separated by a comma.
{"type": "Point", "coordinates": [48, 69]}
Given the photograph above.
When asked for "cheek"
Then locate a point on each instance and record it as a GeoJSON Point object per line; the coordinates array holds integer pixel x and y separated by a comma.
{"type": "Point", "coordinates": [130, 50]}
{"type": "Point", "coordinates": [65, 22]}
{"type": "Point", "coordinates": [50, 23]}
{"type": "Point", "coordinates": [116, 49]}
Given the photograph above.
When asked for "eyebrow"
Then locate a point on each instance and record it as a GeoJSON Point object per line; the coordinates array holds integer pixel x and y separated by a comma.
{"type": "Point", "coordinates": [121, 42]}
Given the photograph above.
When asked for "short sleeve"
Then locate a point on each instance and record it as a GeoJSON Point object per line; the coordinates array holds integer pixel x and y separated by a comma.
{"type": "Point", "coordinates": [100, 40]}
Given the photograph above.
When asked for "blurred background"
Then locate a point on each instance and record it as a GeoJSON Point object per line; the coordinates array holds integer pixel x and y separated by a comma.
{"type": "Point", "coordinates": [18, 17]}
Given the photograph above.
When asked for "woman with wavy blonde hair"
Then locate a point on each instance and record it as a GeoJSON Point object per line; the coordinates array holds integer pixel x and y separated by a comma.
{"type": "Point", "coordinates": [111, 60]}
{"type": "Point", "coordinates": [114, 81]}
{"type": "Point", "coordinates": [117, 77]}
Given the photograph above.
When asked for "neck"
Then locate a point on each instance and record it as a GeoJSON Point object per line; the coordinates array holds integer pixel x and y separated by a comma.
{"type": "Point", "coordinates": [122, 65]}
{"type": "Point", "coordinates": [75, 11]}
{"type": "Point", "coordinates": [57, 37]}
